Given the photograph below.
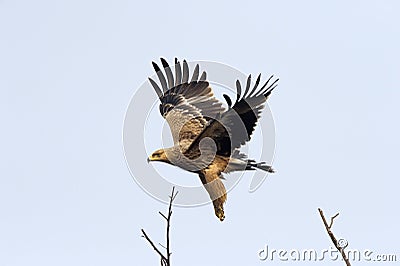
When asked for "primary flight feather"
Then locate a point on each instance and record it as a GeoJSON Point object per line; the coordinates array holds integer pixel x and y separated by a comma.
{"type": "Point", "coordinates": [207, 136]}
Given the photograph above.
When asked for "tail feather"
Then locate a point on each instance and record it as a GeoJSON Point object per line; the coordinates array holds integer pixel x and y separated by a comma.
{"type": "Point", "coordinates": [240, 162]}
{"type": "Point", "coordinates": [251, 164]}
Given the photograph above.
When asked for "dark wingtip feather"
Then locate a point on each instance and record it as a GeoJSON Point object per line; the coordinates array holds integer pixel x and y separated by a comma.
{"type": "Point", "coordinates": [238, 90]}
{"type": "Point", "coordinates": [168, 72]}
{"type": "Point", "coordinates": [262, 88]}
{"type": "Point", "coordinates": [155, 66]}
{"type": "Point", "coordinates": [266, 83]}
{"type": "Point", "coordinates": [160, 76]}
{"type": "Point", "coordinates": [164, 63]}
{"type": "Point", "coordinates": [196, 73]}
{"type": "Point", "coordinates": [255, 86]}
{"type": "Point", "coordinates": [185, 77]}
{"type": "Point", "coordinates": [247, 86]}
{"type": "Point", "coordinates": [268, 92]}
{"type": "Point", "coordinates": [156, 88]}
{"type": "Point", "coordinates": [203, 76]}
{"type": "Point", "coordinates": [268, 89]}
{"type": "Point", "coordinates": [258, 80]}
{"type": "Point", "coordinates": [178, 73]}
{"type": "Point", "coordinates": [228, 100]}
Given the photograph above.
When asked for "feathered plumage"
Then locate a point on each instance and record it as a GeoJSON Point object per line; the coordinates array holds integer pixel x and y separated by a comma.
{"type": "Point", "coordinates": [195, 115]}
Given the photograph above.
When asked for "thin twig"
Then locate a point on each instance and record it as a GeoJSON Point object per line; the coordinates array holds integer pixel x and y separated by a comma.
{"type": "Point", "coordinates": [164, 260]}
{"type": "Point", "coordinates": [172, 197]}
{"type": "Point", "coordinates": [332, 218]}
{"type": "Point", "coordinates": [154, 246]}
{"type": "Point", "coordinates": [163, 215]}
{"type": "Point", "coordinates": [332, 236]}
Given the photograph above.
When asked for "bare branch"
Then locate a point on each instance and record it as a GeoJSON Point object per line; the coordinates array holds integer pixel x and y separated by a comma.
{"type": "Point", "coordinates": [332, 218]}
{"type": "Point", "coordinates": [332, 236]}
{"type": "Point", "coordinates": [172, 197]}
{"type": "Point", "coordinates": [165, 260]}
{"type": "Point", "coordinates": [154, 247]}
{"type": "Point", "coordinates": [163, 216]}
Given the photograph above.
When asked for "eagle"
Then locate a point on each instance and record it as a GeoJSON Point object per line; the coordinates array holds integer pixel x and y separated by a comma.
{"type": "Point", "coordinates": [207, 136]}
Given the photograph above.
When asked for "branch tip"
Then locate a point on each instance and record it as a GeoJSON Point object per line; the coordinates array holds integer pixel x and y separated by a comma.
{"type": "Point", "coordinates": [332, 236]}
{"type": "Point", "coordinates": [164, 260]}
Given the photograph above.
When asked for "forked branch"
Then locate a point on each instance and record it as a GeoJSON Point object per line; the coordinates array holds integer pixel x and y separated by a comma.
{"type": "Point", "coordinates": [165, 260]}
{"type": "Point", "coordinates": [338, 245]}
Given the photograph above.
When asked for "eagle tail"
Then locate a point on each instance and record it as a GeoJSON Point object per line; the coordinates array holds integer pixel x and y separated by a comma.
{"type": "Point", "coordinates": [251, 165]}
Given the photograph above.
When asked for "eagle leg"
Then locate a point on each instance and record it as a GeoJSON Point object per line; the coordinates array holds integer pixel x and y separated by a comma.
{"type": "Point", "coordinates": [219, 209]}
{"type": "Point", "coordinates": [216, 190]}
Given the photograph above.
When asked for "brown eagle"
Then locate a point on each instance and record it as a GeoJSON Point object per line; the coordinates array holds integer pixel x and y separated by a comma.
{"type": "Point", "coordinates": [206, 136]}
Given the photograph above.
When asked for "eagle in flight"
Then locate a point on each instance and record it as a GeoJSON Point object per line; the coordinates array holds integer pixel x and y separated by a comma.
{"type": "Point", "coordinates": [207, 136]}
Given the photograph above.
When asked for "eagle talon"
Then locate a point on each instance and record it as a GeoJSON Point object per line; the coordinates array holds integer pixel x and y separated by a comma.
{"type": "Point", "coordinates": [219, 212]}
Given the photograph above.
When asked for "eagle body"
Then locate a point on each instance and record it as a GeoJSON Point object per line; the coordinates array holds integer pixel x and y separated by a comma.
{"type": "Point", "coordinates": [207, 137]}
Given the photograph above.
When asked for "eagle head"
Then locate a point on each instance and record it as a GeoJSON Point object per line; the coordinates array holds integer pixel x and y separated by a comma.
{"type": "Point", "coordinates": [158, 155]}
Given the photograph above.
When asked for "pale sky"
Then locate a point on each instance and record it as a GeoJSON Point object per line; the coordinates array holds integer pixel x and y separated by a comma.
{"type": "Point", "coordinates": [68, 70]}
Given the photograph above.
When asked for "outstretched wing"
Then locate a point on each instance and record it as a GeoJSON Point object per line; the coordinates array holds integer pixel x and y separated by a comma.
{"type": "Point", "coordinates": [186, 105]}
{"type": "Point", "coordinates": [236, 125]}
